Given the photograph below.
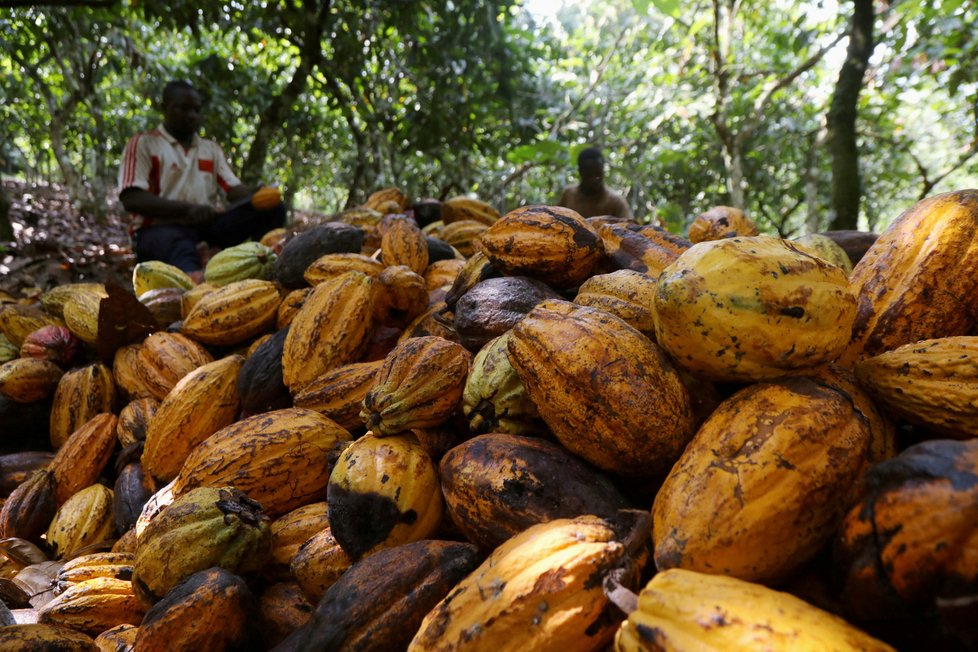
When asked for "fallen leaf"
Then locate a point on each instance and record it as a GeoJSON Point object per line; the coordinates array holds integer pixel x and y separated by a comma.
{"type": "Point", "coordinates": [122, 320]}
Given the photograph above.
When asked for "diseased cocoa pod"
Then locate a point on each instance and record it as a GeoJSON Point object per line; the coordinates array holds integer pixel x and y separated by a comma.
{"type": "Point", "coordinates": [401, 296]}
{"type": "Point", "coordinates": [210, 610]}
{"type": "Point", "coordinates": [775, 464]}
{"type": "Point", "coordinates": [41, 636]}
{"type": "Point", "coordinates": [462, 235]}
{"type": "Point", "coordinates": [924, 501]}
{"type": "Point", "coordinates": [646, 249]}
{"type": "Point", "coordinates": [476, 269]}
{"type": "Point", "coordinates": [233, 313]}
{"type": "Point", "coordinates": [439, 250]}
{"type": "Point", "coordinates": [339, 394]}
{"type": "Point", "coordinates": [203, 528]}
{"type": "Point", "coordinates": [290, 306]}
{"type": "Point", "coordinates": [721, 222]}
{"type": "Point", "coordinates": [494, 399]}
{"type": "Point", "coordinates": [129, 383]}
{"type": "Point", "coordinates": [81, 394]}
{"type": "Point", "coordinates": [180, 423]}
{"type": "Point", "coordinates": [426, 211]}
{"type": "Point", "coordinates": [497, 485]}
{"type": "Point", "coordinates": [54, 343]}
{"type": "Point", "coordinates": [594, 379]}
{"type": "Point", "coordinates": [27, 380]}
{"type": "Point", "coordinates": [561, 564]}
{"type": "Point", "coordinates": [331, 329]}
{"type": "Point", "coordinates": [17, 321]}
{"type": "Point", "coordinates": [28, 511]}
{"type": "Point", "coordinates": [494, 306]}
{"type": "Point", "coordinates": [81, 460]}
{"type": "Point", "coordinates": [771, 309]}
{"type": "Point", "coordinates": [382, 342]}
{"type": "Point", "coordinates": [318, 563]}
{"type": "Point", "coordinates": [291, 531]}
{"type": "Point", "coordinates": [549, 243]}
{"type": "Point", "coordinates": [442, 273]}
{"type": "Point", "coordinates": [435, 322]}
{"type": "Point", "coordinates": [419, 386]}
{"type": "Point", "coordinates": [332, 265]}
{"type": "Point", "coordinates": [383, 492]}
{"type": "Point", "coordinates": [260, 385]}
{"type": "Point", "coordinates": [626, 294]}
{"type": "Point", "coordinates": [403, 243]}
{"type": "Point", "coordinates": [278, 458]}
{"type": "Point", "coordinates": [120, 638]}
{"type": "Point", "coordinates": [130, 494]}
{"type": "Point", "coordinates": [909, 289]}
{"type": "Point", "coordinates": [284, 609]}
{"type": "Point", "coordinates": [379, 603]}
{"type": "Point", "coordinates": [134, 420]}
{"type": "Point", "coordinates": [930, 383]}
{"type": "Point", "coordinates": [165, 304]}
{"type": "Point", "coordinates": [165, 358]}
{"type": "Point", "coordinates": [83, 520]}
{"type": "Point", "coordinates": [17, 467]}
{"type": "Point", "coordinates": [94, 606]}
{"type": "Point", "coordinates": [305, 248]}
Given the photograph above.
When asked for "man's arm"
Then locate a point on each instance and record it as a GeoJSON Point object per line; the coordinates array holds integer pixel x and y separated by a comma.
{"type": "Point", "coordinates": [143, 202]}
{"type": "Point", "coordinates": [622, 209]}
{"type": "Point", "coordinates": [239, 192]}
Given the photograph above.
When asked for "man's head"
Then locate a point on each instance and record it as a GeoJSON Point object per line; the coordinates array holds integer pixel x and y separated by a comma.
{"type": "Point", "coordinates": [182, 109]}
{"type": "Point", "coordinates": [590, 165]}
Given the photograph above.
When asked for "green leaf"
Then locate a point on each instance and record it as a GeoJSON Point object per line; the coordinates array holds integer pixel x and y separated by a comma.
{"type": "Point", "coordinates": [541, 152]}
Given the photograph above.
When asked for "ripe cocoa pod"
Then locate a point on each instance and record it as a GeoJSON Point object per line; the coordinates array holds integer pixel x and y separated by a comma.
{"type": "Point", "coordinates": [442, 273]}
{"type": "Point", "coordinates": [291, 531]}
{"type": "Point", "coordinates": [284, 609]}
{"type": "Point", "coordinates": [94, 606]}
{"type": "Point", "coordinates": [28, 511]}
{"type": "Point", "coordinates": [134, 420]}
{"type": "Point", "coordinates": [205, 527]}
{"type": "Point", "coordinates": [17, 321]}
{"type": "Point", "coordinates": [456, 209]}
{"type": "Point", "coordinates": [113, 565]}
{"type": "Point", "coordinates": [81, 394]}
{"type": "Point", "coordinates": [318, 563]}
{"type": "Point", "coordinates": [330, 266]}
{"type": "Point", "coordinates": [81, 460]}
{"type": "Point", "coordinates": [17, 467]}
{"type": "Point", "coordinates": [721, 222]}
{"type": "Point", "coordinates": [40, 636]}
{"type": "Point", "coordinates": [27, 380]}
{"type": "Point", "coordinates": [626, 294]}
{"type": "Point", "coordinates": [476, 269]}
{"type": "Point", "coordinates": [647, 249]}
{"type": "Point", "coordinates": [384, 195]}
{"type": "Point", "coordinates": [54, 343]}
{"type": "Point", "coordinates": [401, 296]}
{"type": "Point", "coordinates": [81, 314]}
{"type": "Point", "coordinates": [83, 520]}
{"type": "Point", "coordinates": [234, 313]}
{"type": "Point", "coordinates": [165, 304]}
{"type": "Point", "coordinates": [129, 384]}
{"type": "Point", "coordinates": [120, 638]}
{"type": "Point", "coordinates": [165, 358]}
{"type": "Point", "coordinates": [339, 394]}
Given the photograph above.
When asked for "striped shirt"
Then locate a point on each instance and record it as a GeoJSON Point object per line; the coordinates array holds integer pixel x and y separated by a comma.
{"type": "Point", "coordinates": [157, 162]}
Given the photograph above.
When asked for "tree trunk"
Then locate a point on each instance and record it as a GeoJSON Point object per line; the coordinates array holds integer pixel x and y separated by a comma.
{"type": "Point", "coordinates": [6, 228]}
{"type": "Point", "coordinates": [841, 119]}
{"type": "Point", "coordinates": [272, 118]}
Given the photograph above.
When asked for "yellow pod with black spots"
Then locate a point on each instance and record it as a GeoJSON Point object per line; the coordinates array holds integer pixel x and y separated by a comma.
{"type": "Point", "coordinates": [233, 313]}
{"type": "Point", "coordinates": [85, 519]}
{"type": "Point", "coordinates": [94, 606]}
{"type": "Point", "coordinates": [291, 531]}
{"type": "Point", "coordinates": [115, 565]}
{"type": "Point", "coordinates": [626, 293]}
{"type": "Point", "coordinates": [752, 308]}
{"type": "Point", "coordinates": [383, 492]}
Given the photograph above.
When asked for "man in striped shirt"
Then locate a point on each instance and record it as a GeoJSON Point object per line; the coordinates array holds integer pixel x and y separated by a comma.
{"type": "Point", "coordinates": [172, 181]}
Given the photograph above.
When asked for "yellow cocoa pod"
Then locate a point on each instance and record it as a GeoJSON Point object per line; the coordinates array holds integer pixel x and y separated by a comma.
{"type": "Point", "coordinates": [81, 394]}
{"type": "Point", "coordinates": [165, 358]}
{"type": "Point", "coordinates": [155, 274]}
{"type": "Point", "coordinates": [419, 386]}
{"type": "Point", "coordinates": [721, 222]}
{"type": "Point", "coordinates": [94, 605]}
{"type": "Point", "coordinates": [647, 249]}
{"type": "Point", "coordinates": [26, 380]}
{"type": "Point", "coordinates": [120, 638]}
{"type": "Point", "coordinates": [401, 296]}
{"type": "Point", "coordinates": [84, 519]}
{"type": "Point", "coordinates": [115, 565]}
{"type": "Point", "coordinates": [180, 424]}
{"type": "Point", "coordinates": [234, 313]}
{"type": "Point", "coordinates": [463, 235]}
{"type": "Point", "coordinates": [378, 198]}
{"type": "Point", "coordinates": [266, 198]}
{"type": "Point", "coordinates": [457, 209]}
{"type": "Point", "coordinates": [130, 384]}
{"type": "Point", "coordinates": [318, 563]}
{"type": "Point", "coordinates": [54, 300]}
{"type": "Point", "coordinates": [291, 531]}
{"type": "Point", "coordinates": [442, 273]}
{"type": "Point", "coordinates": [338, 394]}
{"type": "Point", "coordinates": [403, 243]}
{"type": "Point", "coordinates": [190, 298]}
{"type": "Point", "coordinates": [81, 314]}
{"type": "Point", "coordinates": [827, 249]}
{"type": "Point", "coordinates": [81, 460]}
{"type": "Point", "coordinates": [17, 321]}
{"type": "Point", "coordinates": [626, 294]}
{"type": "Point", "coordinates": [330, 266]}
{"type": "Point", "coordinates": [134, 420]}
{"type": "Point", "coordinates": [41, 636]}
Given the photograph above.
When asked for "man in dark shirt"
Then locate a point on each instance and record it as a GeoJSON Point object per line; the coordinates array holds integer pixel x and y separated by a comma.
{"type": "Point", "coordinates": [591, 197]}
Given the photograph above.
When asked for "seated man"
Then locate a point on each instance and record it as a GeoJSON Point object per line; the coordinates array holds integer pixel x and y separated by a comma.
{"type": "Point", "coordinates": [172, 180]}
{"type": "Point", "coordinates": [591, 197]}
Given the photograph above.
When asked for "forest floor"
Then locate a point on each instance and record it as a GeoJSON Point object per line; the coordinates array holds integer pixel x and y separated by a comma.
{"type": "Point", "coordinates": [56, 244]}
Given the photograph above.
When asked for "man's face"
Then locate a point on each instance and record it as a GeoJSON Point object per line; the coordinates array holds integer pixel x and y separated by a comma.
{"type": "Point", "coordinates": [182, 114]}
{"type": "Point", "coordinates": [592, 176]}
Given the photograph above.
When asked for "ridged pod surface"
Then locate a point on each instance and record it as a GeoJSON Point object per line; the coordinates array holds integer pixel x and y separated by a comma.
{"type": "Point", "coordinates": [647, 249]}
{"type": "Point", "coordinates": [379, 197]}
{"type": "Point", "coordinates": [383, 492]}
{"type": "Point", "coordinates": [605, 390]}
{"type": "Point", "coordinates": [234, 313]}
{"type": "Point", "coordinates": [210, 610]}
{"type": "Point", "coordinates": [827, 249]}
{"type": "Point", "coordinates": [330, 266]}
{"type": "Point", "coordinates": [280, 459]}
{"type": "Point", "coordinates": [475, 269]}
{"type": "Point", "coordinates": [378, 604]}
{"type": "Point", "coordinates": [128, 382]}
{"type": "Point", "coordinates": [331, 329]}
{"type": "Point", "coordinates": [82, 459]}
{"type": "Point", "coordinates": [462, 235]}
{"type": "Point", "coordinates": [53, 300]}
{"type": "Point", "coordinates": [81, 394]}
{"type": "Point", "coordinates": [290, 306]}
{"type": "Point", "coordinates": [54, 343]}
{"type": "Point", "coordinates": [134, 420]}
{"type": "Point", "coordinates": [442, 273]}
{"type": "Point", "coordinates": [84, 519]}
{"type": "Point", "coordinates": [17, 467]}
{"type": "Point", "coordinates": [26, 380]}
{"type": "Point", "coordinates": [919, 279]}
{"type": "Point", "coordinates": [933, 383]}
{"type": "Point", "coordinates": [627, 294]}
{"type": "Point", "coordinates": [17, 321]}
{"type": "Point", "coordinates": [94, 605]}
{"type": "Point", "coordinates": [180, 422]}
{"type": "Point", "coordinates": [420, 385]}
{"type": "Point", "coordinates": [155, 274]}
{"type": "Point", "coordinates": [131, 492]}
{"type": "Point", "coordinates": [685, 610]}
{"type": "Point", "coordinates": [494, 399]}
{"type": "Point", "coordinates": [403, 243]}
{"type": "Point", "coordinates": [911, 536]}
{"type": "Point", "coordinates": [318, 563]}
{"type": "Point", "coordinates": [81, 314]}
{"type": "Point", "coordinates": [120, 638]}
{"type": "Point", "coordinates": [456, 209]}
{"type": "Point", "coordinates": [549, 243]}
{"type": "Point", "coordinates": [28, 510]}
{"type": "Point", "coordinates": [40, 636]}
{"type": "Point", "coordinates": [283, 609]}
{"type": "Point", "coordinates": [240, 262]}
{"type": "Point", "coordinates": [721, 222]}
{"type": "Point", "coordinates": [541, 590]}
{"type": "Point", "coordinates": [291, 531]}
{"type": "Point", "coordinates": [205, 527]}
{"type": "Point", "coordinates": [764, 483]}
{"type": "Point", "coordinates": [190, 298]}
{"type": "Point", "coordinates": [401, 296]}
{"type": "Point", "coordinates": [114, 565]}
{"type": "Point", "coordinates": [496, 485]}
{"type": "Point", "coordinates": [339, 393]}
{"type": "Point", "coordinates": [747, 309]}
{"type": "Point", "coordinates": [165, 358]}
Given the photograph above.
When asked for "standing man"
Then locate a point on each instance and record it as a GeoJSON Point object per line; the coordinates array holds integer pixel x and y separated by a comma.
{"type": "Point", "coordinates": [173, 181]}
{"type": "Point", "coordinates": [591, 197]}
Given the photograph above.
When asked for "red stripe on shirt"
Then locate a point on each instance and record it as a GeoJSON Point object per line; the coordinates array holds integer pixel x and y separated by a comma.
{"type": "Point", "coordinates": [154, 176]}
{"type": "Point", "coordinates": [224, 184]}
{"type": "Point", "coordinates": [130, 157]}
{"type": "Point", "coordinates": [205, 165]}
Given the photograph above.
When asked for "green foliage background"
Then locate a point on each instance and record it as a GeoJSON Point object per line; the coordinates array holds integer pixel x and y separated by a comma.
{"type": "Point", "coordinates": [482, 97]}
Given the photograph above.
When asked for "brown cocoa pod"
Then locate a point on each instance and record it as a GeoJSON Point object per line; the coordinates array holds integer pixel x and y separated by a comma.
{"type": "Point", "coordinates": [284, 609]}
{"type": "Point", "coordinates": [17, 467]}
{"type": "Point", "coordinates": [132, 490]}
{"type": "Point", "coordinates": [134, 420]}
{"type": "Point", "coordinates": [494, 306]}
{"type": "Point", "coordinates": [28, 510]}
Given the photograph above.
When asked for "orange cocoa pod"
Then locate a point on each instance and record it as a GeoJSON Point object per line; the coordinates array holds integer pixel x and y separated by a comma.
{"type": "Point", "coordinates": [81, 394]}
{"type": "Point", "coordinates": [84, 455]}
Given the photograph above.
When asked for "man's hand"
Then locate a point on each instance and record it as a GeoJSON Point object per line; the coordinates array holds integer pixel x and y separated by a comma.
{"type": "Point", "coordinates": [199, 214]}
